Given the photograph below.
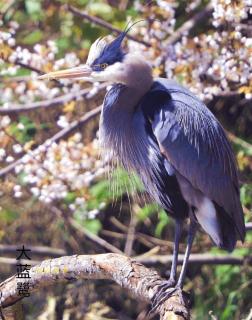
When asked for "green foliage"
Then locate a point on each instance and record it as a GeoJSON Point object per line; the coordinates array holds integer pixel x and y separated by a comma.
{"type": "Point", "coordinates": [24, 134]}
{"type": "Point", "coordinates": [100, 192]}
{"type": "Point", "coordinates": [101, 9]}
{"type": "Point", "coordinates": [147, 211]}
{"type": "Point", "coordinates": [225, 288]}
{"type": "Point", "coordinates": [34, 9]}
{"type": "Point", "coordinates": [119, 184]}
{"type": "Point", "coordinates": [8, 215]}
{"type": "Point", "coordinates": [70, 197]}
{"type": "Point", "coordinates": [33, 37]}
{"type": "Point", "coordinates": [162, 223]}
{"type": "Point", "coordinates": [93, 225]}
{"type": "Point", "coordinates": [246, 194]}
{"type": "Point", "coordinates": [21, 178]}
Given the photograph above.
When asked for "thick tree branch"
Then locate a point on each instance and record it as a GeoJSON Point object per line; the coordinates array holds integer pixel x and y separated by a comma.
{"type": "Point", "coordinates": [140, 281]}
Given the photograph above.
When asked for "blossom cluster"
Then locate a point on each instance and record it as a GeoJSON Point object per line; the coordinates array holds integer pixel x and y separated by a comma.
{"type": "Point", "coordinates": [217, 62]}
{"type": "Point", "coordinates": [42, 58]}
{"type": "Point", "coordinates": [228, 11]}
{"type": "Point", "coordinates": [210, 64]}
{"type": "Point", "coordinates": [53, 170]}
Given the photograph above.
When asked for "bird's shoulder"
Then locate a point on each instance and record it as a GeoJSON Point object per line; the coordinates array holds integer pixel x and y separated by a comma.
{"type": "Point", "coordinates": [174, 110]}
{"type": "Point", "coordinates": [170, 95]}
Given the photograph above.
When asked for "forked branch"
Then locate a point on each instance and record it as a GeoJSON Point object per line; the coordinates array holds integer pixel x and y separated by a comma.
{"type": "Point", "coordinates": [140, 281]}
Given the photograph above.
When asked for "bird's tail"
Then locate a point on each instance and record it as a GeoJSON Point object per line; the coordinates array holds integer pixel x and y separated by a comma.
{"type": "Point", "coordinates": [228, 230]}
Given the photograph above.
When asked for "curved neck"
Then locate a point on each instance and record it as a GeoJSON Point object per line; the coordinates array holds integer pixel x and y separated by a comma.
{"type": "Point", "coordinates": [136, 75]}
{"type": "Point", "coordinates": [133, 79]}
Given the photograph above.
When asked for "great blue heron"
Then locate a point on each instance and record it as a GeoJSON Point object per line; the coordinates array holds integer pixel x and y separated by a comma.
{"type": "Point", "coordinates": [160, 130]}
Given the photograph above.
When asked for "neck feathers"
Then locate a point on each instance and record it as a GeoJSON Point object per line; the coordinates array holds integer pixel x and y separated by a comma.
{"type": "Point", "coordinates": [133, 79]}
{"type": "Point", "coordinates": [135, 73]}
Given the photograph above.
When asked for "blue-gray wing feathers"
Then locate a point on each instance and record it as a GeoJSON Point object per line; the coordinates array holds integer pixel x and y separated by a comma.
{"type": "Point", "coordinates": [195, 144]}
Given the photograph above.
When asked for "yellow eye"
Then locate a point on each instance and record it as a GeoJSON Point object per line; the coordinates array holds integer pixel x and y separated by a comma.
{"type": "Point", "coordinates": [103, 65]}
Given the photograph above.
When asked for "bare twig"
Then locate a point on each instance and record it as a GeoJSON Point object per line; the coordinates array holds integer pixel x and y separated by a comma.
{"type": "Point", "coordinates": [131, 234]}
{"type": "Point", "coordinates": [236, 140]}
{"type": "Point", "coordinates": [103, 24]}
{"type": "Point", "coordinates": [226, 94]}
{"type": "Point", "coordinates": [249, 226]}
{"type": "Point", "coordinates": [37, 250]}
{"type": "Point", "coordinates": [29, 67]}
{"type": "Point", "coordinates": [13, 261]}
{"type": "Point", "coordinates": [58, 136]}
{"type": "Point", "coordinates": [249, 317]}
{"type": "Point", "coordinates": [95, 238]}
{"type": "Point", "coordinates": [139, 280]}
{"type": "Point", "coordinates": [103, 243]}
{"type": "Point", "coordinates": [196, 258]}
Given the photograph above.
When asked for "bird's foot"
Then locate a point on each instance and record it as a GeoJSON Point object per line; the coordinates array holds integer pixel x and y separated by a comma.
{"type": "Point", "coordinates": [163, 292]}
{"type": "Point", "coordinates": [166, 291]}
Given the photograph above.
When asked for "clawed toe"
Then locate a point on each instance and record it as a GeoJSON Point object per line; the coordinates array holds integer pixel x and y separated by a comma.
{"type": "Point", "coordinates": [164, 291]}
{"type": "Point", "coordinates": [184, 297]}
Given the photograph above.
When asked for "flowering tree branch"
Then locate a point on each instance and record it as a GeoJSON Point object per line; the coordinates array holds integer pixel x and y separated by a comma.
{"type": "Point", "coordinates": [46, 103]}
{"type": "Point", "coordinates": [140, 281]}
{"type": "Point", "coordinates": [33, 69]}
{"type": "Point", "coordinates": [74, 125]}
{"type": "Point", "coordinates": [190, 24]}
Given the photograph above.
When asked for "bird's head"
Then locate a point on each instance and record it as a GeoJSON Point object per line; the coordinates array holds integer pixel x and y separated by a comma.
{"type": "Point", "coordinates": [107, 62]}
{"type": "Point", "coordinates": [103, 60]}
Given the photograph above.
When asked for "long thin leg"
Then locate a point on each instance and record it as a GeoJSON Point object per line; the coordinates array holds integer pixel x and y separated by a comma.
{"type": "Point", "coordinates": [191, 235]}
{"type": "Point", "coordinates": [173, 274]}
{"type": "Point", "coordinates": [178, 229]}
{"type": "Point", "coordinates": [164, 294]}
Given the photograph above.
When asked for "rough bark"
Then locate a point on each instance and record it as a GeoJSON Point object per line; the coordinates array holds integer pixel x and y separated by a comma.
{"type": "Point", "coordinates": [140, 281]}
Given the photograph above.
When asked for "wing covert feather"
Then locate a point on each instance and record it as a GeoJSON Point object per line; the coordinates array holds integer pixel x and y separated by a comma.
{"type": "Point", "coordinates": [194, 142]}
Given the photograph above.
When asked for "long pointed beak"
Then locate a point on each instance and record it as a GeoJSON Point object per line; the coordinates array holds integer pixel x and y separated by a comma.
{"type": "Point", "coordinates": [73, 73]}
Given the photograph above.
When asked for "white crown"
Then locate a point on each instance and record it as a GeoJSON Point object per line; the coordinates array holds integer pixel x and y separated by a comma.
{"type": "Point", "coordinates": [96, 49]}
